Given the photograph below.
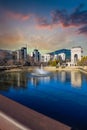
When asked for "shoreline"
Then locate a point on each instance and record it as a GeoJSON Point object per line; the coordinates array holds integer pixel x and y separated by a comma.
{"type": "Point", "coordinates": [50, 68]}
{"type": "Point", "coordinates": [72, 68]}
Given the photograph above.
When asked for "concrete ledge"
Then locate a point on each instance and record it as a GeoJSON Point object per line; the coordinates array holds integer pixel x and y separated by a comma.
{"type": "Point", "coordinates": [7, 123]}
{"type": "Point", "coordinates": [29, 118]}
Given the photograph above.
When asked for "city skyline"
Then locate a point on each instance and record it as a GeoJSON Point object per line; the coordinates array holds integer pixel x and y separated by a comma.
{"type": "Point", "coordinates": [46, 25]}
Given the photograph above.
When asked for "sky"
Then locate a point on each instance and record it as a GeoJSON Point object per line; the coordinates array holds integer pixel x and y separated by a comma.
{"type": "Point", "coordinates": [44, 24]}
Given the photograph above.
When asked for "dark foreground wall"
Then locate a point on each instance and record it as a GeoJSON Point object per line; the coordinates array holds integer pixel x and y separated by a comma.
{"type": "Point", "coordinates": [28, 117]}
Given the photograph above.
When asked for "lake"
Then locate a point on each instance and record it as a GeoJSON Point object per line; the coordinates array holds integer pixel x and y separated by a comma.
{"type": "Point", "coordinates": [61, 95]}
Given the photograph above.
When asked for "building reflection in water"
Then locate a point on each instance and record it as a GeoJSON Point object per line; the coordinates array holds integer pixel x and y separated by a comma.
{"type": "Point", "coordinates": [37, 80]}
{"type": "Point", "coordinates": [76, 79]}
{"type": "Point", "coordinates": [63, 76]}
{"type": "Point", "coordinates": [18, 79]}
{"type": "Point", "coordinates": [55, 76]}
{"type": "Point", "coordinates": [45, 79]}
{"type": "Point", "coordinates": [15, 80]}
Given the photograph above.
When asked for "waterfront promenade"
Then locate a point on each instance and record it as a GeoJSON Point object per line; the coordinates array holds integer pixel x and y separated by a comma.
{"type": "Point", "coordinates": [48, 68]}
{"type": "Point", "coordinates": [6, 123]}
{"type": "Point", "coordinates": [14, 116]}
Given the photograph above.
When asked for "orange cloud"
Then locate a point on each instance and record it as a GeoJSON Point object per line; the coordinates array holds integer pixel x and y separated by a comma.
{"type": "Point", "coordinates": [53, 26]}
{"type": "Point", "coordinates": [10, 38]}
{"type": "Point", "coordinates": [18, 16]}
{"type": "Point", "coordinates": [42, 23]}
{"type": "Point", "coordinates": [44, 27]}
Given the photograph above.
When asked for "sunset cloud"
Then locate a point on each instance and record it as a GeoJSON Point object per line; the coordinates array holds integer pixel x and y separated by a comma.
{"type": "Point", "coordinates": [46, 24]}
{"type": "Point", "coordinates": [10, 38]}
{"type": "Point", "coordinates": [42, 23]}
{"type": "Point", "coordinates": [18, 16]}
{"type": "Point", "coordinates": [77, 18]}
{"type": "Point", "coordinates": [83, 29]}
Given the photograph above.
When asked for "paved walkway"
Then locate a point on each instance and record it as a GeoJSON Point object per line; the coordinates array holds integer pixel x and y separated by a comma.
{"type": "Point", "coordinates": [24, 116]}
{"type": "Point", "coordinates": [6, 123]}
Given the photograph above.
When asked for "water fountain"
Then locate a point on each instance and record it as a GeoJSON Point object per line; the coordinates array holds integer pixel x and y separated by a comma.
{"type": "Point", "coordinates": [40, 72]}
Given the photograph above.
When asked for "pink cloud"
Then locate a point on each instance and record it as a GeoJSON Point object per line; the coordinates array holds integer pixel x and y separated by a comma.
{"type": "Point", "coordinates": [43, 27]}
{"type": "Point", "coordinates": [18, 16]}
{"type": "Point", "coordinates": [42, 23]}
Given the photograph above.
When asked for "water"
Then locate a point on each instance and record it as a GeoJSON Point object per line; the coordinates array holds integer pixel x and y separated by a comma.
{"type": "Point", "coordinates": [61, 95]}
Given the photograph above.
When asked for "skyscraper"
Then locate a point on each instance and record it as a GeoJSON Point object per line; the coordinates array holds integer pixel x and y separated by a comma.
{"type": "Point", "coordinates": [23, 53]}
{"type": "Point", "coordinates": [36, 55]}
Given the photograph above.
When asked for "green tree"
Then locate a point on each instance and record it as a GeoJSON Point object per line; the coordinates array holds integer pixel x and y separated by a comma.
{"type": "Point", "coordinates": [83, 61]}
{"type": "Point", "coordinates": [53, 62]}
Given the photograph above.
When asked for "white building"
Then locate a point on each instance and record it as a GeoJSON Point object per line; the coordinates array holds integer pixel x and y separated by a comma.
{"type": "Point", "coordinates": [21, 54]}
{"type": "Point", "coordinates": [63, 56]}
{"type": "Point", "coordinates": [45, 58]}
{"type": "Point", "coordinates": [76, 54]}
{"type": "Point", "coordinates": [18, 52]}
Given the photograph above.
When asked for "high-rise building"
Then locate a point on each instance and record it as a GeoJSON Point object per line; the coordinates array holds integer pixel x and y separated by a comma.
{"type": "Point", "coordinates": [18, 55]}
{"type": "Point", "coordinates": [23, 53]}
{"type": "Point", "coordinates": [36, 55]}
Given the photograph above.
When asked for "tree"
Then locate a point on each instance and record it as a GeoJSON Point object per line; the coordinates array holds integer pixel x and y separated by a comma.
{"type": "Point", "coordinates": [53, 62]}
{"type": "Point", "coordinates": [83, 61]}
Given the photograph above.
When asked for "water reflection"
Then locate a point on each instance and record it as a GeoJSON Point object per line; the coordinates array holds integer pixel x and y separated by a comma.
{"type": "Point", "coordinates": [45, 79]}
{"type": "Point", "coordinates": [37, 80]}
{"type": "Point", "coordinates": [34, 81]}
{"type": "Point", "coordinates": [76, 79]}
{"type": "Point", "coordinates": [73, 77]}
{"type": "Point", "coordinates": [19, 80]}
{"type": "Point", "coordinates": [51, 95]}
{"type": "Point", "coordinates": [63, 76]}
{"type": "Point", "coordinates": [14, 80]}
